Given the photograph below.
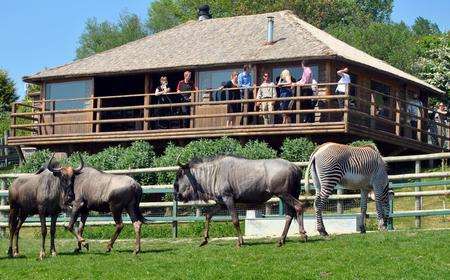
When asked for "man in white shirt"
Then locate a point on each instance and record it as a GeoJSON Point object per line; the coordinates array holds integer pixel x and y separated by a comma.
{"type": "Point", "coordinates": [266, 90]}
{"type": "Point", "coordinates": [342, 84]}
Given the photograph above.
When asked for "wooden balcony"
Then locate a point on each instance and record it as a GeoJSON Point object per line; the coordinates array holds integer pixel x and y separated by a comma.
{"type": "Point", "coordinates": [362, 113]}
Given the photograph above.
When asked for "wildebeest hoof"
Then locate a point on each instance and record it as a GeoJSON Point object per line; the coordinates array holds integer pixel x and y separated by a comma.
{"type": "Point", "coordinates": [77, 250]}
{"type": "Point", "coordinates": [41, 255]}
{"type": "Point", "coordinates": [54, 254]}
{"type": "Point", "coordinates": [303, 237]}
{"type": "Point", "coordinates": [137, 251]}
{"type": "Point", "coordinates": [204, 242]}
{"type": "Point", "coordinates": [86, 246]}
{"type": "Point", "coordinates": [10, 252]}
{"type": "Point", "coordinates": [108, 248]}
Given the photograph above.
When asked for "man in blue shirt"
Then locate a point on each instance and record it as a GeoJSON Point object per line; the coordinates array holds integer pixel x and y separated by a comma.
{"type": "Point", "coordinates": [245, 82]}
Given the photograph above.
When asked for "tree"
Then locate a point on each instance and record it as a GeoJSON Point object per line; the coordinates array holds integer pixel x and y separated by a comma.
{"type": "Point", "coordinates": [98, 37]}
{"type": "Point", "coordinates": [391, 42]}
{"type": "Point", "coordinates": [423, 27]}
{"type": "Point", "coordinates": [7, 92]}
{"type": "Point", "coordinates": [433, 64]}
{"type": "Point", "coordinates": [164, 14]}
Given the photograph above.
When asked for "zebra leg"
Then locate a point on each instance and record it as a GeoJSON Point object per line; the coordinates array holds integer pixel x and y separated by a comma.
{"type": "Point", "coordinates": [382, 206]}
{"type": "Point", "coordinates": [319, 204]}
{"type": "Point", "coordinates": [363, 205]}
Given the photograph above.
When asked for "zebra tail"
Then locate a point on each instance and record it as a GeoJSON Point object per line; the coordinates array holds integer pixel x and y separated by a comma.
{"type": "Point", "coordinates": [307, 172]}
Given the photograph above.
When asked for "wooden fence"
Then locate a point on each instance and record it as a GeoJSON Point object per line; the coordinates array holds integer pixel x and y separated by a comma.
{"type": "Point", "coordinates": [402, 181]}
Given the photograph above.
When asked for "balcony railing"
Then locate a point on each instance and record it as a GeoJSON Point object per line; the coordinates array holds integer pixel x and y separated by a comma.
{"type": "Point", "coordinates": [209, 110]}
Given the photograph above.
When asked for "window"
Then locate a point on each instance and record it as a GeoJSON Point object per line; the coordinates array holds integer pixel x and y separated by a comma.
{"type": "Point", "coordinates": [296, 72]}
{"type": "Point", "coordinates": [382, 88]}
{"type": "Point", "coordinates": [68, 90]}
{"type": "Point", "coordinates": [214, 79]}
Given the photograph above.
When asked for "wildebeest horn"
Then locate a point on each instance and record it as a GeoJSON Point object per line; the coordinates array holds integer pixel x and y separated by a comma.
{"type": "Point", "coordinates": [178, 160]}
{"type": "Point", "coordinates": [78, 170]}
{"type": "Point", "coordinates": [50, 166]}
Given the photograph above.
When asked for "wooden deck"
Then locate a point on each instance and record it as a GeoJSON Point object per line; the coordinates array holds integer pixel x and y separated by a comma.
{"type": "Point", "coordinates": [357, 117]}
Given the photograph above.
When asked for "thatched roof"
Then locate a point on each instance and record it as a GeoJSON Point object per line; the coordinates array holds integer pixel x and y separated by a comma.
{"type": "Point", "coordinates": [218, 42]}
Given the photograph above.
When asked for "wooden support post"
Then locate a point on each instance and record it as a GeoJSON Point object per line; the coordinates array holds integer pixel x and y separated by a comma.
{"type": "Point", "coordinates": [346, 106]}
{"type": "Point", "coordinates": [372, 110]}
{"type": "Point", "coordinates": [14, 120]}
{"type": "Point", "coordinates": [418, 200]}
{"type": "Point", "coordinates": [192, 109]}
{"type": "Point", "coordinates": [146, 124]}
{"type": "Point", "coordinates": [419, 125]}
{"type": "Point", "coordinates": [297, 104]}
{"type": "Point", "coordinates": [53, 116]}
{"type": "Point", "coordinates": [245, 118]}
{"type": "Point", "coordinates": [397, 117]}
{"type": "Point", "coordinates": [98, 115]}
{"type": "Point", "coordinates": [174, 218]}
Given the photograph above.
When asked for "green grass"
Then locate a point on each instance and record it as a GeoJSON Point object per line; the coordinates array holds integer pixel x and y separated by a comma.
{"type": "Point", "coordinates": [393, 255]}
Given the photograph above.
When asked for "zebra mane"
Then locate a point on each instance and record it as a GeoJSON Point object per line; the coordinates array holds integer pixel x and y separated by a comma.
{"type": "Point", "coordinates": [371, 146]}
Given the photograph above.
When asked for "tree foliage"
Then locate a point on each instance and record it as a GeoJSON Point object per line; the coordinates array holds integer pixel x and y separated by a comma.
{"type": "Point", "coordinates": [423, 27]}
{"type": "Point", "coordinates": [7, 92]}
{"type": "Point", "coordinates": [102, 36]}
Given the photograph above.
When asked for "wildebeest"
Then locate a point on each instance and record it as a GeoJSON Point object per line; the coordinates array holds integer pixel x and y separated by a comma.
{"type": "Point", "coordinates": [98, 191]}
{"type": "Point", "coordinates": [45, 193]}
{"type": "Point", "coordinates": [230, 180]}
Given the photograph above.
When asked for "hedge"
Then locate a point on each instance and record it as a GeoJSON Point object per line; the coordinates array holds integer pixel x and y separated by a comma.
{"type": "Point", "coordinates": [297, 149]}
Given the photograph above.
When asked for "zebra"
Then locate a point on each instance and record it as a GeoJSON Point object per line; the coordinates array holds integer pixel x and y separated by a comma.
{"type": "Point", "coordinates": [354, 168]}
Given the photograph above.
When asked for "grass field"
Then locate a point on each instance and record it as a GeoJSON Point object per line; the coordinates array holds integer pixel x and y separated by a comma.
{"type": "Point", "coordinates": [393, 255]}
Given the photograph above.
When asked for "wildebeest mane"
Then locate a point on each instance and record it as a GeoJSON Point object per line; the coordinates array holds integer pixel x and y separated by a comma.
{"type": "Point", "coordinates": [199, 160]}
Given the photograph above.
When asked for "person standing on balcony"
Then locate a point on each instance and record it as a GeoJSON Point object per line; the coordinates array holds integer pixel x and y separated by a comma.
{"type": "Point", "coordinates": [285, 88]}
{"type": "Point", "coordinates": [245, 82]}
{"type": "Point", "coordinates": [266, 90]}
{"type": "Point", "coordinates": [233, 93]}
{"type": "Point", "coordinates": [413, 109]}
{"type": "Point", "coordinates": [305, 83]}
{"type": "Point", "coordinates": [441, 118]}
{"type": "Point", "coordinates": [343, 83]}
{"type": "Point", "coordinates": [163, 98]}
{"type": "Point", "coordinates": [185, 87]}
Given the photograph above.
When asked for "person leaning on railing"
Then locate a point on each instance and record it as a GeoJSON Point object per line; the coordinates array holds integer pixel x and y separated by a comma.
{"type": "Point", "coordinates": [162, 98]}
{"type": "Point", "coordinates": [232, 93]}
{"type": "Point", "coordinates": [413, 110]}
{"type": "Point", "coordinates": [441, 118]}
{"type": "Point", "coordinates": [343, 83]}
{"type": "Point", "coordinates": [285, 87]}
{"type": "Point", "coordinates": [185, 87]}
{"type": "Point", "coordinates": [245, 82]}
{"type": "Point", "coordinates": [266, 90]}
{"type": "Point", "coordinates": [305, 82]}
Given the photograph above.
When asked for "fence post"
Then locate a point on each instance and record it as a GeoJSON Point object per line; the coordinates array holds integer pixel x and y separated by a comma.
{"type": "Point", "coordinates": [418, 204]}
{"type": "Point", "coordinates": [3, 203]}
{"type": "Point", "coordinates": [245, 117]}
{"type": "Point", "coordinates": [174, 218]}
{"type": "Point", "coordinates": [339, 205]}
{"type": "Point", "coordinates": [390, 223]}
{"type": "Point", "coordinates": [297, 104]}
{"type": "Point", "coordinates": [98, 115]}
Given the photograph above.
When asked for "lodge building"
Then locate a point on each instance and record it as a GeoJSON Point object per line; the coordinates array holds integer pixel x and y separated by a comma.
{"type": "Point", "coordinates": [110, 97]}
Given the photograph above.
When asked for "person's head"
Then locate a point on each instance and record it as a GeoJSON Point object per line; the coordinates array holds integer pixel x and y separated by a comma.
{"type": "Point", "coordinates": [304, 63]}
{"type": "Point", "coordinates": [285, 75]}
{"type": "Point", "coordinates": [187, 75]}
{"type": "Point", "coordinates": [245, 68]}
{"type": "Point", "coordinates": [441, 105]}
{"type": "Point", "coordinates": [163, 80]}
{"type": "Point", "coordinates": [415, 95]}
{"type": "Point", "coordinates": [234, 76]}
{"type": "Point", "coordinates": [266, 77]}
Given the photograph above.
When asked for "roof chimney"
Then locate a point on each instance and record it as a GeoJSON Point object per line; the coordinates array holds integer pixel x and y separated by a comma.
{"type": "Point", "coordinates": [203, 13]}
{"type": "Point", "coordinates": [270, 26]}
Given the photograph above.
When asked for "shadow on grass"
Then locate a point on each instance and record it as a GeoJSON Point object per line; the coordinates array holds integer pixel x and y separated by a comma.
{"type": "Point", "coordinates": [103, 253]}
{"type": "Point", "coordinates": [6, 257]}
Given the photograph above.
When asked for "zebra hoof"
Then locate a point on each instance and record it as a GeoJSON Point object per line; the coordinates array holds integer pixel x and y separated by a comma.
{"type": "Point", "coordinates": [362, 229]}
{"type": "Point", "coordinates": [323, 233]}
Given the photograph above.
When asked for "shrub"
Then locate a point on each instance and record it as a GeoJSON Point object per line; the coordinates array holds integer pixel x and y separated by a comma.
{"type": "Point", "coordinates": [34, 162]}
{"type": "Point", "coordinates": [169, 159]}
{"type": "Point", "coordinates": [297, 149]}
{"type": "Point", "coordinates": [257, 150]}
{"type": "Point", "coordinates": [211, 147]}
{"type": "Point", "coordinates": [360, 143]}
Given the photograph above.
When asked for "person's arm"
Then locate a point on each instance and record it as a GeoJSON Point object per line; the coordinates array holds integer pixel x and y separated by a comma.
{"type": "Point", "coordinates": [178, 86]}
{"type": "Point", "coordinates": [305, 77]}
{"type": "Point", "coordinates": [240, 80]}
{"type": "Point", "coordinates": [342, 71]}
{"type": "Point", "coordinates": [157, 92]}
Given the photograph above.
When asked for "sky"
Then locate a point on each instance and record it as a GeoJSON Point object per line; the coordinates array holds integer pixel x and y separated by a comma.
{"type": "Point", "coordinates": [45, 33]}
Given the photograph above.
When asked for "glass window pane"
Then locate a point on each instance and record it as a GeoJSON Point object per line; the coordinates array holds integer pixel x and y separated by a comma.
{"type": "Point", "coordinates": [296, 72]}
{"type": "Point", "coordinates": [69, 90]}
{"type": "Point", "coordinates": [214, 79]}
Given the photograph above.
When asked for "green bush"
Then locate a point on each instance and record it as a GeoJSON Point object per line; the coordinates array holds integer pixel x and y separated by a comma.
{"type": "Point", "coordinates": [169, 159]}
{"type": "Point", "coordinates": [257, 150]}
{"type": "Point", "coordinates": [360, 143]}
{"type": "Point", "coordinates": [34, 162]}
{"type": "Point", "coordinates": [297, 149]}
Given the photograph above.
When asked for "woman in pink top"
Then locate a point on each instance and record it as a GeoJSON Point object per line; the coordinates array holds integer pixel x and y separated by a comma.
{"type": "Point", "coordinates": [307, 104]}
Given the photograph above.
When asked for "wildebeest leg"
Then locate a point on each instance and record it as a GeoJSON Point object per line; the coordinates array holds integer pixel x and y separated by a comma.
{"type": "Point", "coordinates": [52, 235]}
{"type": "Point", "coordinates": [83, 218]}
{"type": "Point", "coordinates": [229, 202]}
{"type": "Point", "coordinates": [117, 215]}
{"type": "Point", "coordinates": [363, 204]}
{"type": "Point", "coordinates": [73, 218]}
{"type": "Point", "coordinates": [22, 219]}
{"type": "Point", "coordinates": [44, 234]}
{"type": "Point", "coordinates": [13, 220]}
{"type": "Point", "coordinates": [287, 225]}
{"type": "Point", "coordinates": [137, 227]}
{"type": "Point", "coordinates": [298, 207]}
{"type": "Point", "coordinates": [208, 216]}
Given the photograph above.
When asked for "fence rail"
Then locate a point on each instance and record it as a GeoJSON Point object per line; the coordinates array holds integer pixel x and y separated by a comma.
{"type": "Point", "coordinates": [398, 181]}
